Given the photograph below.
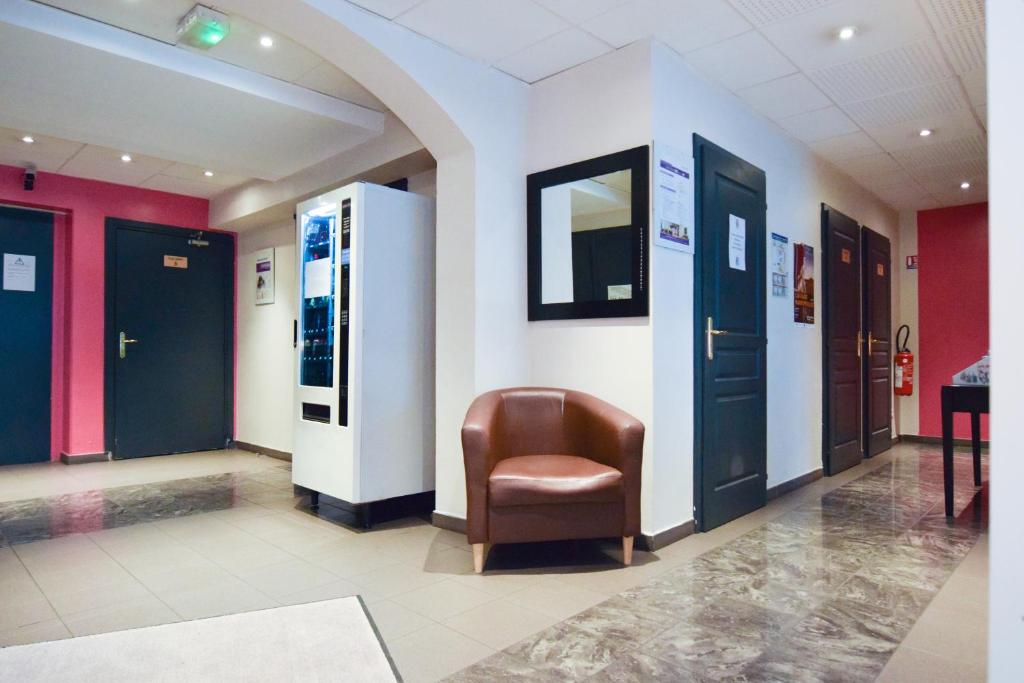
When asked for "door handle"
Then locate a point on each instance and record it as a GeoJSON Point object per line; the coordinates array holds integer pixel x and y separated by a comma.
{"type": "Point", "coordinates": [122, 342]}
{"type": "Point", "coordinates": [711, 334]}
{"type": "Point", "coordinates": [860, 343]}
{"type": "Point", "coordinates": [871, 343]}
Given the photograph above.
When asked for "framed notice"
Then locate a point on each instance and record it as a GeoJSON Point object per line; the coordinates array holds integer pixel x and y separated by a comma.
{"type": "Point", "coordinates": [803, 284]}
{"type": "Point", "coordinates": [780, 264]}
{"type": "Point", "coordinates": [673, 199]}
{"type": "Point", "coordinates": [265, 276]}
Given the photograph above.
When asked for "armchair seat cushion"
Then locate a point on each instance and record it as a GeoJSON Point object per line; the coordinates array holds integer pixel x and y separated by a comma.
{"type": "Point", "coordinates": [553, 480]}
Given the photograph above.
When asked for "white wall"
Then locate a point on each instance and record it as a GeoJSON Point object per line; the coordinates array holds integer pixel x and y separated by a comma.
{"type": "Point", "coordinates": [644, 365]}
{"type": "Point", "coordinates": [907, 411]}
{"type": "Point", "coordinates": [266, 359]}
{"type": "Point", "coordinates": [1006, 253]}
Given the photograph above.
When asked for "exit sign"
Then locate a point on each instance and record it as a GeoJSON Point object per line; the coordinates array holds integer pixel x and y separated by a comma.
{"type": "Point", "coordinates": [912, 262]}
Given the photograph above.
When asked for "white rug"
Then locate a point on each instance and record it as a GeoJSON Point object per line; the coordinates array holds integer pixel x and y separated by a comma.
{"type": "Point", "coordinates": [321, 641]}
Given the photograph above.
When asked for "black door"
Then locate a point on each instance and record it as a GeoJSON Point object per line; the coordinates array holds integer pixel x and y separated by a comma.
{"type": "Point", "coordinates": [731, 408]}
{"type": "Point", "coordinates": [26, 335]}
{"type": "Point", "coordinates": [842, 339]}
{"type": "Point", "coordinates": [877, 344]}
{"type": "Point", "coordinates": [169, 336]}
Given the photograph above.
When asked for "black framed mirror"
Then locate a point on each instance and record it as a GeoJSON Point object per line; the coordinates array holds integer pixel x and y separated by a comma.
{"type": "Point", "coordinates": [587, 238]}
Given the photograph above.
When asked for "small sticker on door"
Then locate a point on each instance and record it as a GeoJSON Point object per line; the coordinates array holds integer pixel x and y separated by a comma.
{"type": "Point", "coordinates": [846, 256]}
{"type": "Point", "coordinates": [879, 270]}
{"type": "Point", "coordinates": [175, 261]}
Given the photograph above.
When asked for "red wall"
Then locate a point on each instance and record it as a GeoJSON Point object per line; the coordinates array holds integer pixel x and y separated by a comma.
{"type": "Point", "coordinates": [952, 305]}
{"type": "Point", "coordinates": [78, 285]}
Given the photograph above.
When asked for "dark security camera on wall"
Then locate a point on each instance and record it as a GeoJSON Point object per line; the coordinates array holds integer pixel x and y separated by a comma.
{"type": "Point", "coordinates": [29, 180]}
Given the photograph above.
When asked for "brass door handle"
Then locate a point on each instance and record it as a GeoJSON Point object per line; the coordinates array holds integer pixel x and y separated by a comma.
{"type": "Point", "coordinates": [860, 343]}
{"type": "Point", "coordinates": [871, 343]}
{"type": "Point", "coordinates": [122, 341]}
{"type": "Point", "coordinates": [711, 334]}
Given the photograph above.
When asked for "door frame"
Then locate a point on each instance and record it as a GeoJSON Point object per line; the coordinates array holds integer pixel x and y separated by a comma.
{"type": "Point", "coordinates": [867, 234]}
{"type": "Point", "coordinates": [112, 225]}
{"type": "Point", "coordinates": [698, 325]}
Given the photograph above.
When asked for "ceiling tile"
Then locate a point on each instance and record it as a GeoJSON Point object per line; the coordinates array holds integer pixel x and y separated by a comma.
{"type": "Point", "coordinates": [741, 62]}
{"type": "Point", "coordinates": [683, 25]}
{"type": "Point", "coordinates": [46, 153]}
{"type": "Point", "coordinates": [763, 12]}
{"type": "Point", "coordinates": [887, 180]}
{"type": "Point", "coordinates": [819, 124]}
{"type": "Point", "coordinates": [328, 79]}
{"type": "Point", "coordinates": [950, 175]}
{"type": "Point", "coordinates": [551, 55]}
{"type": "Point", "coordinates": [929, 101]}
{"type": "Point", "coordinates": [941, 151]}
{"type": "Point", "coordinates": [191, 188]}
{"type": "Point", "coordinates": [483, 30]}
{"type": "Point", "coordinates": [387, 8]}
{"type": "Point", "coordinates": [846, 146]}
{"type": "Point", "coordinates": [870, 164]}
{"type": "Point", "coordinates": [198, 174]}
{"type": "Point", "coordinates": [786, 96]}
{"type": "Point", "coordinates": [976, 85]}
{"type": "Point", "coordinates": [965, 48]}
{"type": "Point", "coordinates": [810, 39]}
{"type": "Point", "coordinates": [102, 163]}
{"type": "Point", "coordinates": [578, 11]}
{"type": "Point", "coordinates": [958, 124]}
{"type": "Point", "coordinates": [903, 67]}
{"type": "Point", "coordinates": [957, 197]}
{"type": "Point", "coordinates": [947, 14]}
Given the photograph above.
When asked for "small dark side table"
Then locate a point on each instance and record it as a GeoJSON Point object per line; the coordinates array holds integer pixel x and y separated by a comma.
{"type": "Point", "coordinates": [961, 399]}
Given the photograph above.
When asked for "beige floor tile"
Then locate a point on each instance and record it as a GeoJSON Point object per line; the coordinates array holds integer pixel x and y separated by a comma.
{"type": "Point", "coordinates": [115, 590]}
{"type": "Point", "coordinates": [225, 596]}
{"type": "Point", "coordinates": [18, 611]}
{"type": "Point", "coordinates": [144, 611]}
{"type": "Point", "coordinates": [499, 584]}
{"type": "Point", "coordinates": [394, 621]}
{"type": "Point", "coordinates": [287, 577]}
{"type": "Point", "coordinates": [338, 588]}
{"type": "Point", "coordinates": [908, 665]}
{"type": "Point", "coordinates": [392, 580]}
{"type": "Point", "coordinates": [347, 560]}
{"type": "Point", "coordinates": [951, 633]}
{"type": "Point", "coordinates": [555, 598]}
{"type": "Point", "coordinates": [433, 652]}
{"type": "Point", "coordinates": [160, 578]}
{"type": "Point", "coordinates": [445, 559]}
{"type": "Point", "coordinates": [500, 623]}
{"type": "Point", "coordinates": [50, 629]}
{"type": "Point", "coordinates": [443, 599]}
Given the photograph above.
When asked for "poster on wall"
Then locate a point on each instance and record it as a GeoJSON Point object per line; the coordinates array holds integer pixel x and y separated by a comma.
{"type": "Point", "coordinates": [19, 273]}
{"type": "Point", "coordinates": [265, 276]}
{"type": "Point", "coordinates": [779, 262]}
{"type": "Point", "coordinates": [803, 283]}
{"type": "Point", "coordinates": [673, 199]}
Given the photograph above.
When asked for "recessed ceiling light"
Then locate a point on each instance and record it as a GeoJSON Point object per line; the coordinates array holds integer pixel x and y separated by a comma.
{"type": "Point", "coordinates": [126, 158]}
{"type": "Point", "coordinates": [266, 41]}
{"type": "Point", "coordinates": [925, 132]}
{"type": "Point", "coordinates": [847, 32]}
{"type": "Point", "coordinates": [965, 185]}
{"type": "Point", "coordinates": [28, 139]}
{"type": "Point", "coordinates": [208, 174]}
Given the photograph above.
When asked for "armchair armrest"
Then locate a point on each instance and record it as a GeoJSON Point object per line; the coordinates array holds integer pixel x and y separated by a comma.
{"type": "Point", "coordinates": [615, 438]}
{"type": "Point", "coordinates": [480, 454]}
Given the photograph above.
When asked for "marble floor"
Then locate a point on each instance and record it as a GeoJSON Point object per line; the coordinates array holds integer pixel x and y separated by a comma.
{"type": "Point", "coordinates": [855, 577]}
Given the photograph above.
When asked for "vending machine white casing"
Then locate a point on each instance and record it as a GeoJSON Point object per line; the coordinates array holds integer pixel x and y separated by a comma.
{"type": "Point", "coordinates": [364, 396]}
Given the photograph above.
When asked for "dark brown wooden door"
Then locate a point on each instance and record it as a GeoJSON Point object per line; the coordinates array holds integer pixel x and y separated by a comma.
{"type": "Point", "coordinates": [842, 374]}
{"type": "Point", "coordinates": [877, 280]}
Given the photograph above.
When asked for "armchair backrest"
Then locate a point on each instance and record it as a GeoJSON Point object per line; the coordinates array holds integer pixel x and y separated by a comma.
{"type": "Point", "coordinates": [533, 421]}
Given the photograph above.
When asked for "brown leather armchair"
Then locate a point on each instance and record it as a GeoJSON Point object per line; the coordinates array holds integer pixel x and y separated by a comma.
{"type": "Point", "coordinates": [550, 464]}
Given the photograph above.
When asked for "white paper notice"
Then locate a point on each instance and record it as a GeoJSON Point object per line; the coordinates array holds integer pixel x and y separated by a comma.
{"type": "Point", "coordinates": [19, 273]}
{"type": "Point", "coordinates": [673, 200]}
{"type": "Point", "coordinates": [318, 278]}
{"type": "Point", "coordinates": [737, 243]}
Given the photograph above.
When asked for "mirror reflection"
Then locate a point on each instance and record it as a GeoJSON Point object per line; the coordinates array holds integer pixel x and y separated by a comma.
{"type": "Point", "coordinates": [587, 241]}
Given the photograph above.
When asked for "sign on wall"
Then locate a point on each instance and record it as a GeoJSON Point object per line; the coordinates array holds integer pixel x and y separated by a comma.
{"type": "Point", "coordinates": [803, 283]}
{"type": "Point", "coordinates": [673, 199]}
{"type": "Point", "coordinates": [265, 276]}
{"type": "Point", "coordinates": [19, 273]}
{"type": "Point", "coordinates": [912, 262]}
{"type": "Point", "coordinates": [780, 263]}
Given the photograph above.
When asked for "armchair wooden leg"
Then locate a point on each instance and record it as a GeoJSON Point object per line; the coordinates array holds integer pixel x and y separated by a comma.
{"type": "Point", "coordinates": [627, 550]}
{"type": "Point", "coordinates": [479, 557]}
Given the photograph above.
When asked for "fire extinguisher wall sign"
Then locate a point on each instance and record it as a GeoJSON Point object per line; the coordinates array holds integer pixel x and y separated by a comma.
{"type": "Point", "coordinates": [903, 364]}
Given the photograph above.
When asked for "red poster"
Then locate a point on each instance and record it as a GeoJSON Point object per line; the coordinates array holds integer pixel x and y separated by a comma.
{"type": "Point", "coordinates": [803, 283]}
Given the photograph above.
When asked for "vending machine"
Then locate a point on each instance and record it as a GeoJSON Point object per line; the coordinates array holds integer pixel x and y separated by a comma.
{"type": "Point", "coordinates": [364, 396]}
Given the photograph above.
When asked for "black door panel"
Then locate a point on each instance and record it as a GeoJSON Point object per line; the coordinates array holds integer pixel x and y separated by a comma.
{"type": "Point", "coordinates": [730, 402]}
{"type": "Point", "coordinates": [26, 339]}
{"type": "Point", "coordinates": [877, 279]}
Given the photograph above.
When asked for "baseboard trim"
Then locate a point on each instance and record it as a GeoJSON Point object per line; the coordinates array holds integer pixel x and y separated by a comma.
{"type": "Point", "coordinates": [793, 484]}
{"type": "Point", "coordinates": [263, 450]}
{"type": "Point", "coordinates": [83, 458]}
{"type": "Point", "coordinates": [652, 542]}
{"type": "Point", "coordinates": [937, 440]}
{"type": "Point", "coordinates": [449, 522]}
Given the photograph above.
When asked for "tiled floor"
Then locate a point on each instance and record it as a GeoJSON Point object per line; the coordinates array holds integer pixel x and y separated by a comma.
{"type": "Point", "coordinates": [845, 576]}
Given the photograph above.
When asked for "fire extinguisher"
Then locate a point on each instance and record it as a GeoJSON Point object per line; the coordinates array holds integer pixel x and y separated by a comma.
{"type": "Point", "coordinates": [903, 364]}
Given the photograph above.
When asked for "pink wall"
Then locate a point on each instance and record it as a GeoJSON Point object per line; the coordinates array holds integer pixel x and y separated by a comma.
{"type": "Point", "coordinates": [952, 305]}
{"type": "Point", "coordinates": [78, 371]}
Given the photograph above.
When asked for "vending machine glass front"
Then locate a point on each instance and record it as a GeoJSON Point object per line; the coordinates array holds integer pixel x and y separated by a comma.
{"type": "Point", "coordinates": [318, 228]}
